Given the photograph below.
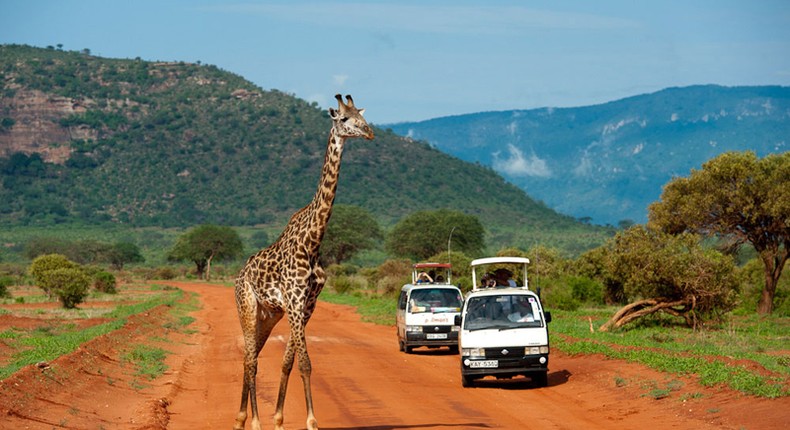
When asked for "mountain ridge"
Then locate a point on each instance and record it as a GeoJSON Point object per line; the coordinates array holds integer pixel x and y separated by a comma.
{"type": "Point", "coordinates": [607, 162]}
{"type": "Point", "coordinates": [85, 139]}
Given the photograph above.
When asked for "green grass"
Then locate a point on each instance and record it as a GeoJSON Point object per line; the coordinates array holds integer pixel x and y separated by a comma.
{"type": "Point", "coordinates": [679, 350]}
{"type": "Point", "coordinates": [148, 360]}
{"type": "Point", "coordinates": [375, 309]}
{"type": "Point", "coordinates": [48, 343]}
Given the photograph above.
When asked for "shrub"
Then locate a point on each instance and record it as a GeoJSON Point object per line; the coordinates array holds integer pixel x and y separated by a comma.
{"type": "Point", "coordinates": [105, 282]}
{"type": "Point", "coordinates": [43, 264]}
{"type": "Point", "coordinates": [69, 284]}
{"type": "Point", "coordinates": [586, 290]}
{"type": "Point", "coordinates": [165, 273]}
{"type": "Point", "coordinates": [342, 284]}
{"type": "Point", "coordinates": [5, 282]}
{"type": "Point", "coordinates": [559, 295]}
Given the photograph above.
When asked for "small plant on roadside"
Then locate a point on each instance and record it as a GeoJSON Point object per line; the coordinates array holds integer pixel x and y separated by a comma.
{"type": "Point", "coordinates": [149, 361]}
{"type": "Point", "coordinates": [658, 393]}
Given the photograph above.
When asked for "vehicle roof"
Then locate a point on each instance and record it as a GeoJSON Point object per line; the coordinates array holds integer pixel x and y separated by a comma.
{"type": "Point", "coordinates": [495, 291]}
{"type": "Point", "coordinates": [428, 285]}
{"type": "Point", "coordinates": [500, 260]}
{"type": "Point", "coordinates": [431, 265]}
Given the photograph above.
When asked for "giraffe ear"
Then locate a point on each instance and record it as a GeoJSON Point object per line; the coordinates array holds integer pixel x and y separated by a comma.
{"type": "Point", "coordinates": [333, 113]}
{"type": "Point", "coordinates": [361, 111]}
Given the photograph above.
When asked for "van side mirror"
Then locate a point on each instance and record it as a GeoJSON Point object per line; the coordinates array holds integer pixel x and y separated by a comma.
{"type": "Point", "coordinates": [457, 320]}
{"type": "Point", "coordinates": [548, 316]}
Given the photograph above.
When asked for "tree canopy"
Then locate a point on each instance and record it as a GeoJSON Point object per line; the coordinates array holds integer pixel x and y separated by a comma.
{"type": "Point", "coordinates": [739, 198]}
{"type": "Point", "coordinates": [351, 229]}
{"type": "Point", "coordinates": [204, 244]}
{"type": "Point", "coordinates": [426, 233]}
{"type": "Point", "coordinates": [661, 272]}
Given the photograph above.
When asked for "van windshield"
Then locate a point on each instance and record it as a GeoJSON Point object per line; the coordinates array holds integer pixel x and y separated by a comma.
{"type": "Point", "coordinates": [436, 300]}
{"type": "Point", "coordinates": [502, 312]}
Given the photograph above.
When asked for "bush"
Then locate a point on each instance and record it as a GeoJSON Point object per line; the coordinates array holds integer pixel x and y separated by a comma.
{"type": "Point", "coordinates": [165, 273]}
{"type": "Point", "coordinates": [43, 264]}
{"type": "Point", "coordinates": [586, 290]}
{"type": "Point", "coordinates": [559, 295]}
{"type": "Point", "coordinates": [5, 282]}
{"type": "Point", "coordinates": [347, 284]}
{"type": "Point", "coordinates": [105, 282]}
{"type": "Point", "coordinates": [70, 285]}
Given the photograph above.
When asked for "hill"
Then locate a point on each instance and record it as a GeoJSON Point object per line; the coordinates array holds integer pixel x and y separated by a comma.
{"type": "Point", "coordinates": [92, 140]}
{"type": "Point", "coordinates": [608, 162]}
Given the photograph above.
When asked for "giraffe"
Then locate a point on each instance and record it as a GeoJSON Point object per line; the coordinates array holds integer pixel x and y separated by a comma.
{"type": "Point", "coordinates": [286, 278]}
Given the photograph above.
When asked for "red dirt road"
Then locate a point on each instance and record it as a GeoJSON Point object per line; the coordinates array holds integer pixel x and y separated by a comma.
{"type": "Point", "coordinates": [360, 381]}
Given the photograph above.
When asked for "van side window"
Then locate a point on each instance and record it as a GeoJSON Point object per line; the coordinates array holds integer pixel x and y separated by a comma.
{"type": "Point", "coordinates": [402, 300]}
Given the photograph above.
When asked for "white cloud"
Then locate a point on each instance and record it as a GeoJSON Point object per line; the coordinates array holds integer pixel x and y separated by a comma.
{"type": "Point", "coordinates": [516, 164]}
{"type": "Point", "coordinates": [339, 80]}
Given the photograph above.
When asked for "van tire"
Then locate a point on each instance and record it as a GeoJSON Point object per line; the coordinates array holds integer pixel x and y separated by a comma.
{"type": "Point", "coordinates": [454, 349]}
{"type": "Point", "coordinates": [467, 381]}
{"type": "Point", "coordinates": [541, 379]}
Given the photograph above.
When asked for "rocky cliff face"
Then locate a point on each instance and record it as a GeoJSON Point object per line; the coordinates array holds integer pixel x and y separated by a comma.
{"type": "Point", "coordinates": [37, 125]}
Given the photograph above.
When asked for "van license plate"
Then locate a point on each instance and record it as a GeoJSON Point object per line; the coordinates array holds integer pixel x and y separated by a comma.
{"type": "Point", "coordinates": [436, 335]}
{"type": "Point", "coordinates": [484, 364]}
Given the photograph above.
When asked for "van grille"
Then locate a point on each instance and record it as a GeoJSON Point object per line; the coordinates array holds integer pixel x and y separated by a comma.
{"type": "Point", "coordinates": [499, 352]}
{"type": "Point", "coordinates": [436, 329]}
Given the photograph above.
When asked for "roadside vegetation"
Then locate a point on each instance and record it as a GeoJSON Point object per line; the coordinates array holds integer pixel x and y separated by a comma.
{"type": "Point", "coordinates": [56, 336]}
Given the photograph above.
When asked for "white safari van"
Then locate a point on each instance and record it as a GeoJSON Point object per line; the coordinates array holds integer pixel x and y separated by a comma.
{"type": "Point", "coordinates": [427, 308]}
{"type": "Point", "coordinates": [504, 329]}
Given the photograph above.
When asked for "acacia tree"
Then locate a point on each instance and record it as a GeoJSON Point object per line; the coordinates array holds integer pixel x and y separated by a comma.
{"type": "Point", "coordinates": [739, 198]}
{"type": "Point", "coordinates": [206, 243]}
{"type": "Point", "coordinates": [668, 273]}
{"type": "Point", "coordinates": [351, 229]}
{"type": "Point", "coordinates": [426, 233]}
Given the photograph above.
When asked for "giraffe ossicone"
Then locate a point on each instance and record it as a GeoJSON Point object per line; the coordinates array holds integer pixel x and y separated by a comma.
{"type": "Point", "coordinates": [285, 278]}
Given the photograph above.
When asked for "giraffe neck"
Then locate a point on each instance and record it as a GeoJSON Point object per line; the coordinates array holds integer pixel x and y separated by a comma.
{"type": "Point", "coordinates": [321, 206]}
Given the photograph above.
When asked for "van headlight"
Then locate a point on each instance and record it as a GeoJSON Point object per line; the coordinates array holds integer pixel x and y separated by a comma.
{"type": "Point", "coordinates": [456, 328]}
{"type": "Point", "coordinates": [473, 352]}
{"type": "Point", "coordinates": [414, 328]}
{"type": "Point", "coordinates": [535, 350]}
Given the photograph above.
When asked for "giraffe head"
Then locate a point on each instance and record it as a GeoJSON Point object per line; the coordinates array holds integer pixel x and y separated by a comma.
{"type": "Point", "coordinates": [348, 120]}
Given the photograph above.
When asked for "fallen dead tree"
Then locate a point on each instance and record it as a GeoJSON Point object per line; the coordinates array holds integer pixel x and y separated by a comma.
{"type": "Point", "coordinates": [676, 275]}
{"type": "Point", "coordinates": [679, 308]}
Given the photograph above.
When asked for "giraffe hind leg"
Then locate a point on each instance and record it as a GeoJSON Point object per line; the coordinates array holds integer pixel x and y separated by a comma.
{"type": "Point", "coordinates": [256, 328]}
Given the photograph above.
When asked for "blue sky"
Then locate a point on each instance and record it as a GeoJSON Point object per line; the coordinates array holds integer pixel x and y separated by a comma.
{"type": "Point", "coordinates": [410, 60]}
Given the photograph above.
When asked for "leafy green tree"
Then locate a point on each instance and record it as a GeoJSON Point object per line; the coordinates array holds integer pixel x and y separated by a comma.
{"type": "Point", "coordinates": [592, 265]}
{"type": "Point", "coordinates": [351, 229]}
{"type": "Point", "coordinates": [122, 253]}
{"type": "Point", "coordinates": [46, 245]}
{"type": "Point", "coordinates": [204, 244]}
{"type": "Point", "coordinates": [426, 233]}
{"type": "Point", "coordinates": [739, 198]}
{"type": "Point", "coordinates": [668, 273]}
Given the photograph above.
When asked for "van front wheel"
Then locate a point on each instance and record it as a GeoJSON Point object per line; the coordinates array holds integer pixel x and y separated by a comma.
{"type": "Point", "coordinates": [541, 379]}
{"type": "Point", "coordinates": [467, 381]}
